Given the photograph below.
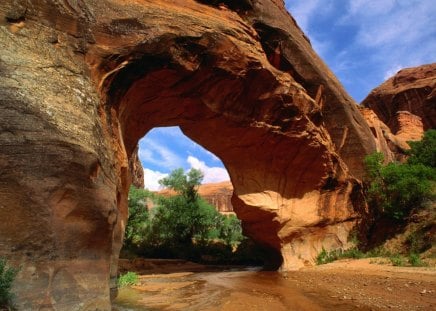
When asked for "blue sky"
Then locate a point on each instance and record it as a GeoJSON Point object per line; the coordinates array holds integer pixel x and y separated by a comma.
{"type": "Point", "coordinates": [167, 148]}
{"type": "Point", "coordinates": [364, 42]}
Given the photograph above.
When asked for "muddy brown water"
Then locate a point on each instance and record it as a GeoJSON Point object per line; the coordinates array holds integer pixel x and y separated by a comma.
{"type": "Point", "coordinates": [247, 289]}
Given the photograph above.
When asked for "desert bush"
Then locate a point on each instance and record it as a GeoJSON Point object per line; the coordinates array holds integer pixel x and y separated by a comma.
{"type": "Point", "coordinates": [397, 260]}
{"type": "Point", "coordinates": [128, 279]}
{"type": "Point", "coordinates": [7, 277]}
{"type": "Point", "coordinates": [327, 257]}
{"type": "Point", "coordinates": [415, 260]}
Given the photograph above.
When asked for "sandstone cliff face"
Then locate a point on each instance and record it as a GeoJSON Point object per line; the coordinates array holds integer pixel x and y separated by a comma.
{"type": "Point", "coordinates": [218, 195]}
{"type": "Point", "coordinates": [406, 101]}
{"type": "Point", "coordinates": [82, 81]}
{"type": "Point", "coordinates": [401, 109]}
{"type": "Point", "coordinates": [136, 170]}
{"type": "Point", "coordinates": [393, 147]}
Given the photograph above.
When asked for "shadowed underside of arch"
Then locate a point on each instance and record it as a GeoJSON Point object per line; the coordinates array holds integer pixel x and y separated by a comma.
{"type": "Point", "coordinates": [82, 83]}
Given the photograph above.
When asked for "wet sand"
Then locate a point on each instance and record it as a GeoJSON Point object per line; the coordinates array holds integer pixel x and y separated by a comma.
{"type": "Point", "coordinates": [343, 285]}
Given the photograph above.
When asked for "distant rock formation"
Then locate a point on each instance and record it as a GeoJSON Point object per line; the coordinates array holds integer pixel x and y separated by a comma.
{"type": "Point", "coordinates": [218, 195]}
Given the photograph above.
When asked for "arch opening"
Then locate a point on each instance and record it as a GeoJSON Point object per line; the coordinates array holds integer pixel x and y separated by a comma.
{"type": "Point", "coordinates": [258, 122]}
{"type": "Point", "coordinates": [159, 220]}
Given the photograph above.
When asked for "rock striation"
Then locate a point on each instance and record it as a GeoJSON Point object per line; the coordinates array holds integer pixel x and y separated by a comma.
{"type": "Point", "coordinates": [82, 81]}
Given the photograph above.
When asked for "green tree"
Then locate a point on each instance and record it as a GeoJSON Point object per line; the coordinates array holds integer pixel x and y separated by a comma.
{"type": "Point", "coordinates": [185, 216]}
{"type": "Point", "coordinates": [424, 151]}
{"type": "Point", "coordinates": [138, 216]}
{"type": "Point", "coordinates": [184, 184]}
{"type": "Point", "coordinates": [230, 231]}
{"type": "Point", "coordinates": [180, 226]}
{"type": "Point", "coordinates": [395, 189]}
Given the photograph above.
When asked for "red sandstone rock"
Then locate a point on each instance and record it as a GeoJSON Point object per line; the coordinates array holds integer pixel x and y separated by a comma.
{"type": "Point", "coordinates": [82, 81]}
{"type": "Point", "coordinates": [412, 90]}
{"type": "Point", "coordinates": [401, 109]}
{"type": "Point", "coordinates": [393, 147]}
{"type": "Point", "coordinates": [136, 170]}
{"type": "Point", "coordinates": [218, 195]}
{"type": "Point", "coordinates": [408, 127]}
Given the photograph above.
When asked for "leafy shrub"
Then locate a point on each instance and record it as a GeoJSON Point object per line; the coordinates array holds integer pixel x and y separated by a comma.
{"type": "Point", "coordinates": [395, 189]}
{"type": "Point", "coordinates": [138, 216]}
{"type": "Point", "coordinates": [415, 260]}
{"type": "Point", "coordinates": [128, 279]}
{"type": "Point", "coordinates": [7, 276]}
{"type": "Point", "coordinates": [230, 230]}
{"type": "Point", "coordinates": [397, 260]}
{"type": "Point", "coordinates": [327, 257]}
{"type": "Point", "coordinates": [424, 151]}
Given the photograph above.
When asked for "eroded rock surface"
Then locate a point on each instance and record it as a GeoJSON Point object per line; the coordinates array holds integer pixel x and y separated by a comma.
{"type": "Point", "coordinates": [406, 101]}
{"type": "Point", "coordinates": [82, 81]}
{"type": "Point", "coordinates": [136, 169]}
{"type": "Point", "coordinates": [401, 109]}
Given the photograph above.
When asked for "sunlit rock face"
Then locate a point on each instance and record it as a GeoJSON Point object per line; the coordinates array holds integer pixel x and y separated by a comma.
{"type": "Point", "coordinates": [82, 81]}
{"type": "Point", "coordinates": [218, 195]}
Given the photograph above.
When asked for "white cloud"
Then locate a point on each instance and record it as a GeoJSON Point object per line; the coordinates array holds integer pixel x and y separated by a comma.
{"type": "Point", "coordinates": [395, 31]}
{"type": "Point", "coordinates": [155, 153]}
{"type": "Point", "coordinates": [151, 179]}
{"type": "Point", "coordinates": [371, 7]}
{"type": "Point", "coordinates": [392, 71]}
{"type": "Point", "coordinates": [368, 40]}
{"type": "Point", "coordinates": [211, 174]}
{"type": "Point", "coordinates": [305, 13]}
{"type": "Point", "coordinates": [302, 11]}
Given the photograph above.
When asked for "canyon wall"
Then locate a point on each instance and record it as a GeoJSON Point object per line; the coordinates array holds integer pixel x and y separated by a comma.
{"type": "Point", "coordinates": [406, 102]}
{"type": "Point", "coordinates": [82, 81]}
{"type": "Point", "coordinates": [218, 195]}
{"type": "Point", "coordinates": [401, 109]}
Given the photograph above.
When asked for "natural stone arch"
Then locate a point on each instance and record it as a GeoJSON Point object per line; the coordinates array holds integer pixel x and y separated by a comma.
{"type": "Point", "coordinates": [291, 190]}
{"type": "Point", "coordinates": [74, 76]}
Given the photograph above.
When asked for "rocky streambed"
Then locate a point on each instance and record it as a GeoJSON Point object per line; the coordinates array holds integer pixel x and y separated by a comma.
{"type": "Point", "coordinates": [343, 285]}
